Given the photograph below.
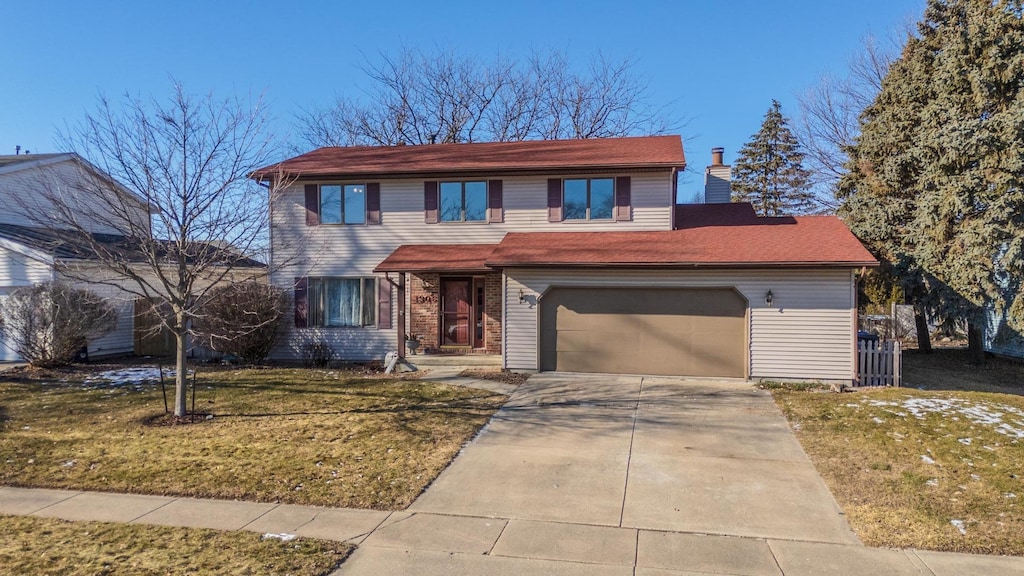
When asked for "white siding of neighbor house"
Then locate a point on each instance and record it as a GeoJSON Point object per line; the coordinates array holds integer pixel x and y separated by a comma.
{"type": "Point", "coordinates": [339, 250]}
{"type": "Point", "coordinates": [22, 267]}
{"type": "Point", "coordinates": [121, 340]}
{"type": "Point", "coordinates": [807, 333]}
{"type": "Point", "coordinates": [23, 198]}
{"type": "Point", "coordinates": [19, 267]}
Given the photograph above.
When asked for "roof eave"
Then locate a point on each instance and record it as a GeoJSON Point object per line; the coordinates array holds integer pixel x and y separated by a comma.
{"type": "Point", "coordinates": [269, 174]}
{"type": "Point", "coordinates": [691, 265]}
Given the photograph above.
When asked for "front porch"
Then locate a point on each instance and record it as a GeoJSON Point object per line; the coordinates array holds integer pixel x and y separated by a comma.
{"type": "Point", "coordinates": [449, 301]}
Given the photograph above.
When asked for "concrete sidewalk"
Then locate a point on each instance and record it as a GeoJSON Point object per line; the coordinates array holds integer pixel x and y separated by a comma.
{"type": "Point", "coordinates": [408, 543]}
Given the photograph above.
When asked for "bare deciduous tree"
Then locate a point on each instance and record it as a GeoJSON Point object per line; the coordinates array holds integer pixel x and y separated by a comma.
{"type": "Point", "coordinates": [830, 115]}
{"type": "Point", "coordinates": [243, 319]}
{"type": "Point", "coordinates": [417, 97]}
{"type": "Point", "coordinates": [181, 215]}
{"type": "Point", "coordinates": [47, 324]}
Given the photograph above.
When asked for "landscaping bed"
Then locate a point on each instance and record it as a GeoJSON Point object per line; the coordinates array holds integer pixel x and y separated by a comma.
{"type": "Point", "coordinates": [48, 546]}
{"type": "Point", "coordinates": [321, 437]}
{"type": "Point", "coordinates": [938, 469]}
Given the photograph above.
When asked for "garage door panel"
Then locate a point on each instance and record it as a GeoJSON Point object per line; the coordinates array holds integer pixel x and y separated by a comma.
{"type": "Point", "coordinates": [694, 332]}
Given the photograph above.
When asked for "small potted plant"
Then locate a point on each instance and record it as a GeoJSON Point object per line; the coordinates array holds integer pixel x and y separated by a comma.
{"type": "Point", "coordinates": [412, 343]}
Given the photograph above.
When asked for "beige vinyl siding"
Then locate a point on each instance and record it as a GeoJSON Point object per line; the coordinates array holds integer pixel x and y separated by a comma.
{"type": "Point", "coordinates": [355, 250]}
{"type": "Point", "coordinates": [808, 333]}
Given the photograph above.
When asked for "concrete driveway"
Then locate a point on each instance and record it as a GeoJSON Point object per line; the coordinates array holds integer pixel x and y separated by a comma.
{"type": "Point", "coordinates": [650, 453]}
{"type": "Point", "coordinates": [627, 476]}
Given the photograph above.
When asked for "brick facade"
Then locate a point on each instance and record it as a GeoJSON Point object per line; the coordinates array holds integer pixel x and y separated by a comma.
{"type": "Point", "coordinates": [424, 300]}
{"type": "Point", "coordinates": [492, 313]}
{"type": "Point", "coordinates": [424, 311]}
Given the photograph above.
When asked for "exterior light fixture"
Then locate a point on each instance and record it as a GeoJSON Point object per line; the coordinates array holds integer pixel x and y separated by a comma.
{"type": "Point", "coordinates": [522, 296]}
{"type": "Point", "coordinates": [768, 298]}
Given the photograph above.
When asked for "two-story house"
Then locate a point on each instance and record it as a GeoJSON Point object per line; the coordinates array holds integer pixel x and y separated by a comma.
{"type": "Point", "coordinates": [557, 255]}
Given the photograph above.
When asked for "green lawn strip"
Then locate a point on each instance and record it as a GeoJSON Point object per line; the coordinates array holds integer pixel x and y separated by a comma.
{"type": "Point", "coordinates": [298, 436]}
{"type": "Point", "coordinates": [912, 467]}
{"type": "Point", "coordinates": [58, 547]}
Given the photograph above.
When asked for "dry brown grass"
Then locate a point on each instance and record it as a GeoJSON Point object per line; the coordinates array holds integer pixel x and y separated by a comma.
{"type": "Point", "coordinates": [905, 463]}
{"type": "Point", "coordinates": [57, 547]}
{"type": "Point", "coordinates": [323, 437]}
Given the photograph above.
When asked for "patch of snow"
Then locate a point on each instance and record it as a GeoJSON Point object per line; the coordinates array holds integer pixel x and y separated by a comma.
{"type": "Point", "coordinates": [1004, 419]}
{"type": "Point", "coordinates": [975, 477]}
{"type": "Point", "coordinates": [128, 376]}
{"type": "Point", "coordinates": [878, 420]}
{"type": "Point", "coordinates": [283, 537]}
{"type": "Point", "coordinates": [933, 482]}
{"type": "Point", "coordinates": [69, 463]}
{"type": "Point", "coordinates": [1009, 495]}
{"type": "Point", "coordinates": [927, 459]}
{"type": "Point", "coordinates": [959, 526]}
{"type": "Point", "coordinates": [965, 441]}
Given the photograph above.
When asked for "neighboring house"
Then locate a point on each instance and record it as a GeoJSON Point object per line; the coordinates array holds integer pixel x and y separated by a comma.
{"type": "Point", "coordinates": [33, 243]}
{"type": "Point", "coordinates": [558, 255]}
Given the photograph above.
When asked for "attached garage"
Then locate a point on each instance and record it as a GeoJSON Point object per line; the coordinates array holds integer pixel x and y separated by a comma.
{"type": "Point", "coordinates": [666, 331]}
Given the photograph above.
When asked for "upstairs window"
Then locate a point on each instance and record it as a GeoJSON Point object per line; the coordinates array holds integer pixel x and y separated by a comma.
{"type": "Point", "coordinates": [588, 198]}
{"type": "Point", "coordinates": [463, 201]}
{"type": "Point", "coordinates": [342, 204]}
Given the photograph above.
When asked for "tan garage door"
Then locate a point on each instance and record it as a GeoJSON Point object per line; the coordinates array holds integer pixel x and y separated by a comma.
{"type": "Point", "coordinates": [677, 332]}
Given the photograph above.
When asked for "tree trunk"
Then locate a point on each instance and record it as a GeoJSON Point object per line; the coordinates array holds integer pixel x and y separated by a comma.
{"type": "Point", "coordinates": [924, 339]}
{"type": "Point", "coordinates": [180, 365]}
{"type": "Point", "coordinates": [975, 344]}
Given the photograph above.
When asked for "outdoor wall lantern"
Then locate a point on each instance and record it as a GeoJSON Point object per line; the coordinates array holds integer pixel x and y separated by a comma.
{"type": "Point", "coordinates": [522, 296]}
{"type": "Point", "coordinates": [768, 298]}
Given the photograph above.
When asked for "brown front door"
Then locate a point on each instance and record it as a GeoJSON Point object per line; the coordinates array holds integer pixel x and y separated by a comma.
{"type": "Point", "coordinates": [456, 311]}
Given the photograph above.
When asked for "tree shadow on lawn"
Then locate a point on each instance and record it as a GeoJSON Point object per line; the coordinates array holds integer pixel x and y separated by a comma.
{"type": "Point", "coordinates": [950, 369]}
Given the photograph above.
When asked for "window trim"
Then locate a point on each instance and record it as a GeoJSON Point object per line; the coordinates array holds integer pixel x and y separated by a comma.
{"type": "Point", "coordinates": [342, 185]}
{"type": "Point", "coordinates": [462, 209]}
{"type": "Point", "coordinates": [589, 180]}
{"type": "Point", "coordinates": [316, 295]}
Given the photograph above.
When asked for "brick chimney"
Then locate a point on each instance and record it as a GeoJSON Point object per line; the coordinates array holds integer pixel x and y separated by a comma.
{"type": "Point", "coordinates": [717, 179]}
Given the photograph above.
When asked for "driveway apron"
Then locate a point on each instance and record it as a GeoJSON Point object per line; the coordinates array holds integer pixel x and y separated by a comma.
{"type": "Point", "coordinates": [642, 453]}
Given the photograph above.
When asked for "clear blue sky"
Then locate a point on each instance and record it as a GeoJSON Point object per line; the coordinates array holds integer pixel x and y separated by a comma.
{"type": "Point", "coordinates": [716, 63]}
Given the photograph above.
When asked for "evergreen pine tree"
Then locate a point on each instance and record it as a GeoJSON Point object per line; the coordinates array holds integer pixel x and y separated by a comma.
{"type": "Point", "coordinates": [970, 215]}
{"type": "Point", "coordinates": [769, 171]}
{"type": "Point", "coordinates": [935, 179]}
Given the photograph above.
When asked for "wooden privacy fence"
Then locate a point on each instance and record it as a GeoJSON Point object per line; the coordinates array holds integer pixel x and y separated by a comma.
{"type": "Point", "coordinates": [879, 363]}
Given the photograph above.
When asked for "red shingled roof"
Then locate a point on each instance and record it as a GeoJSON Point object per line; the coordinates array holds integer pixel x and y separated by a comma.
{"type": "Point", "coordinates": [438, 258]}
{"type": "Point", "coordinates": [708, 235]}
{"type": "Point", "coordinates": [703, 240]}
{"type": "Point", "coordinates": [488, 157]}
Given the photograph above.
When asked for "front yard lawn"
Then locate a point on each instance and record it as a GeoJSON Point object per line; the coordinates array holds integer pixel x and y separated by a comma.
{"type": "Point", "coordinates": [57, 547]}
{"type": "Point", "coordinates": [930, 469]}
{"type": "Point", "coordinates": [321, 437]}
